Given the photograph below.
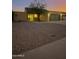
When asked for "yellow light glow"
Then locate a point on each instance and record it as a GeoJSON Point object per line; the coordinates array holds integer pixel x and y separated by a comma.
{"type": "Point", "coordinates": [61, 15]}
{"type": "Point", "coordinates": [30, 16]}
{"type": "Point", "coordinates": [48, 17]}
{"type": "Point", "coordinates": [35, 15]}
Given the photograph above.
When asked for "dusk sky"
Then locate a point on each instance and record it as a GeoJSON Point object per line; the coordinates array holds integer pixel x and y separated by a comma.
{"type": "Point", "coordinates": [52, 5]}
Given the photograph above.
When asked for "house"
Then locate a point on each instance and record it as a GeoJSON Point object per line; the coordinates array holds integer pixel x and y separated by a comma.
{"type": "Point", "coordinates": [27, 15]}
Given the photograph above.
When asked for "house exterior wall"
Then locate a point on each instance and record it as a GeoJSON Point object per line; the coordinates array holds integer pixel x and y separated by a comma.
{"type": "Point", "coordinates": [57, 16]}
{"type": "Point", "coordinates": [44, 17]}
{"type": "Point", "coordinates": [51, 16]}
{"type": "Point", "coordinates": [54, 17]}
{"type": "Point", "coordinates": [20, 16]}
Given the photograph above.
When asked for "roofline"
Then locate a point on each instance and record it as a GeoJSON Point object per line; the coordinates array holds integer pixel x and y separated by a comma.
{"type": "Point", "coordinates": [57, 11]}
{"type": "Point", "coordinates": [48, 11]}
{"type": "Point", "coordinates": [17, 11]}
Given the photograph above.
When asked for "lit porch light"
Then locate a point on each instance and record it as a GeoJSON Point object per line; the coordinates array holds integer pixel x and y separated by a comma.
{"type": "Point", "coordinates": [30, 16]}
{"type": "Point", "coordinates": [35, 15]}
{"type": "Point", "coordinates": [61, 16]}
{"type": "Point", "coordinates": [48, 17]}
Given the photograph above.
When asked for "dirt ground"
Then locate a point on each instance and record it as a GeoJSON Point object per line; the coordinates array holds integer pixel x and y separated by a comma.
{"type": "Point", "coordinates": [28, 36]}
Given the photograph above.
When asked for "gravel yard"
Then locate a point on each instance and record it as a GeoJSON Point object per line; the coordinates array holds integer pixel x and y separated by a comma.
{"type": "Point", "coordinates": [27, 36]}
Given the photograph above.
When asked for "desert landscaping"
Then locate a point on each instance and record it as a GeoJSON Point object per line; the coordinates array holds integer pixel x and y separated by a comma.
{"type": "Point", "coordinates": [29, 36]}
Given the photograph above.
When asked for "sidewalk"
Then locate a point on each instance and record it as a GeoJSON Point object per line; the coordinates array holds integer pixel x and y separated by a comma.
{"type": "Point", "coordinates": [55, 50]}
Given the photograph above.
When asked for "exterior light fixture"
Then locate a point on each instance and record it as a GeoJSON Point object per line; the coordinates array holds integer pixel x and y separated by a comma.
{"type": "Point", "coordinates": [30, 17]}
{"type": "Point", "coordinates": [35, 15]}
{"type": "Point", "coordinates": [48, 17]}
{"type": "Point", "coordinates": [61, 16]}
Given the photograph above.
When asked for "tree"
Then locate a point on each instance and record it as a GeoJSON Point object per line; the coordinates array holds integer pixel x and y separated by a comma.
{"type": "Point", "coordinates": [12, 16]}
{"type": "Point", "coordinates": [37, 8]}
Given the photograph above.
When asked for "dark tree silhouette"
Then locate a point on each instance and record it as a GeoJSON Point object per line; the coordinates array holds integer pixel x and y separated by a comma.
{"type": "Point", "coordinates": [37, 8]}
{"type": "Point", "coordinates": [12, 16]}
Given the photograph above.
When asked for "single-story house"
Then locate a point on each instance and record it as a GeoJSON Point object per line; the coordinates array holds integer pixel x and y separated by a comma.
{"type": "Point", "coordinates": [28, 16]}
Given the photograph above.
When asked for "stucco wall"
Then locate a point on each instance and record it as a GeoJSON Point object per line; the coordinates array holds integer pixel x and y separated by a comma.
{"type": "Point", "coordinates": [20, 16]}
{"type": "Point", "coordinates": [44, 17]}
